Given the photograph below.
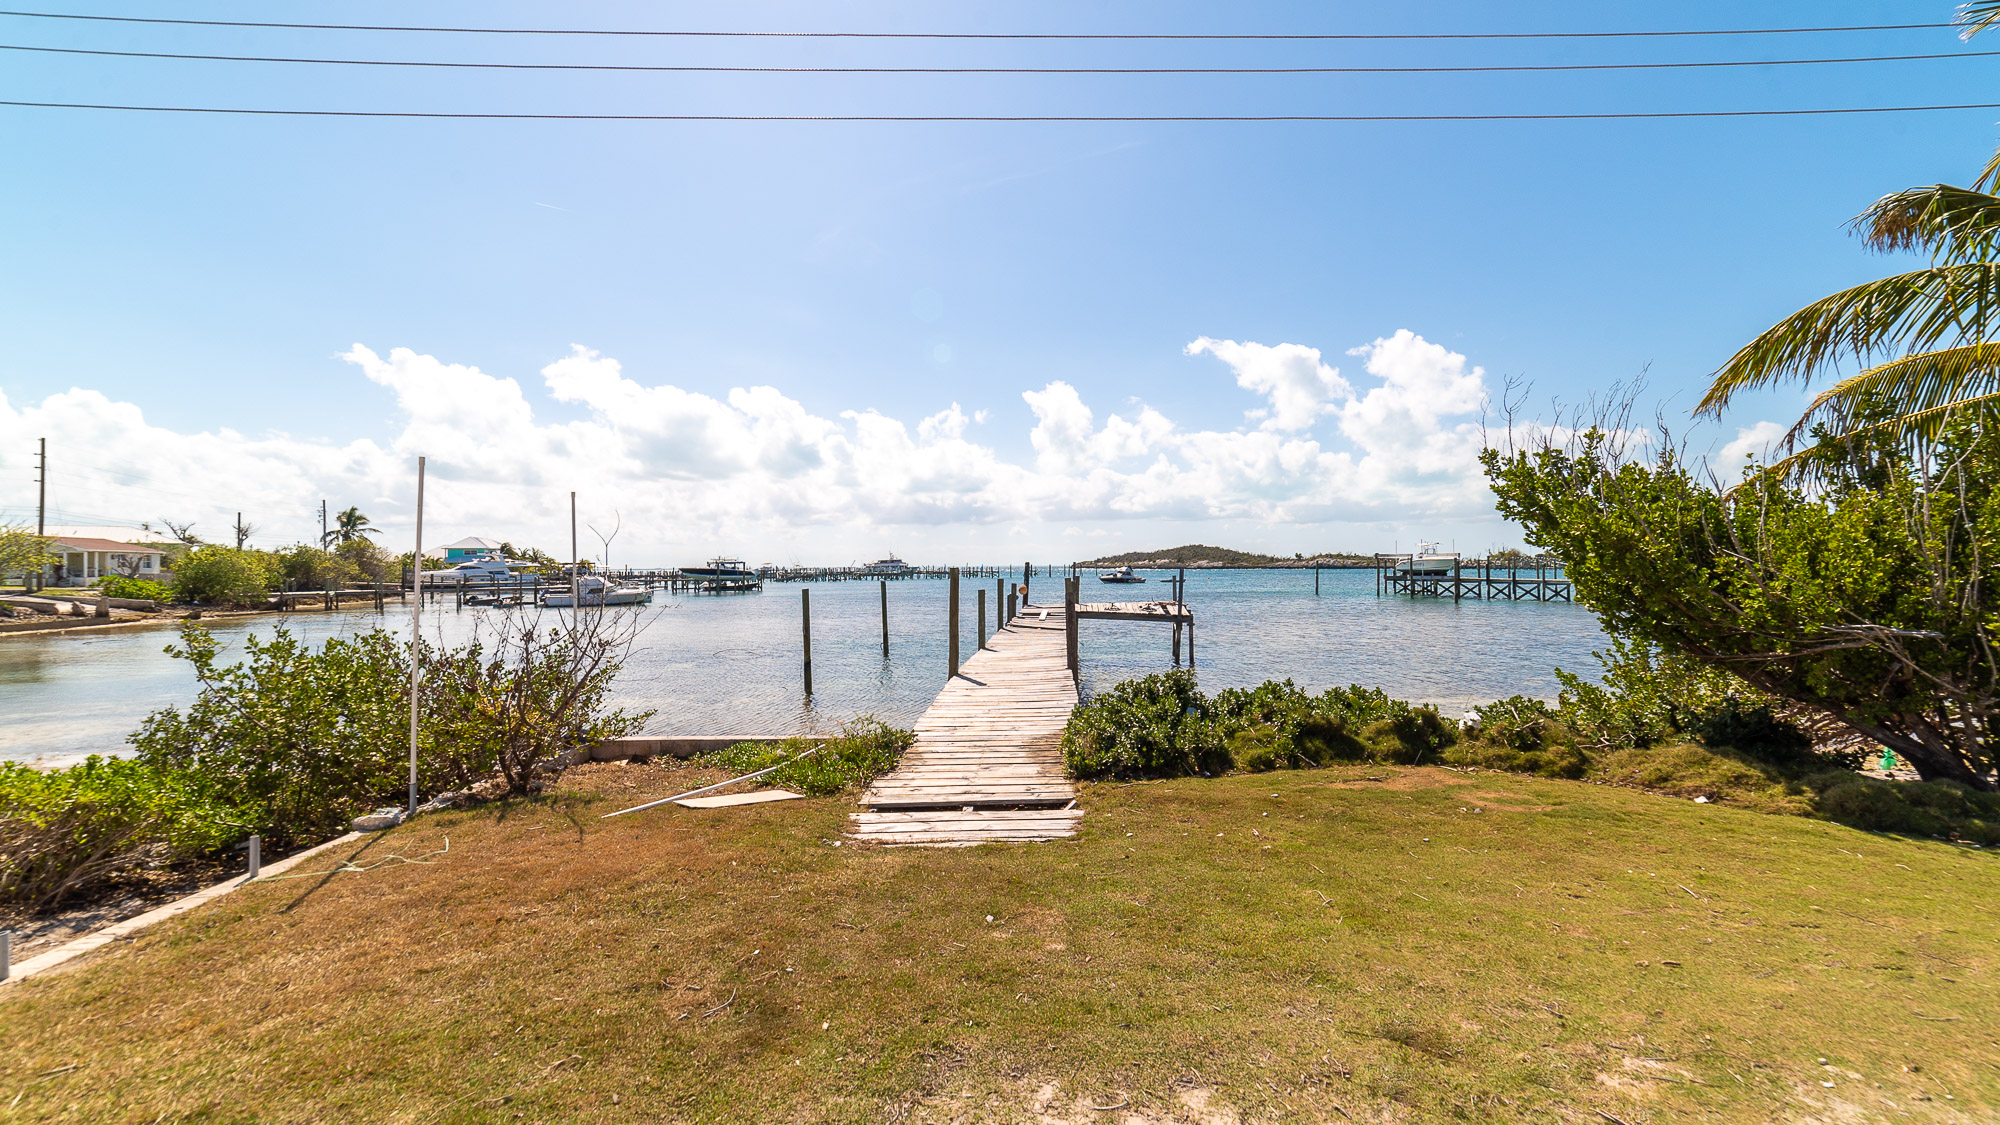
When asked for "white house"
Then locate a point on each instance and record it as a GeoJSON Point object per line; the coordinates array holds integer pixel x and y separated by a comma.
{"type": "Point", "coordinates": [81, 560]}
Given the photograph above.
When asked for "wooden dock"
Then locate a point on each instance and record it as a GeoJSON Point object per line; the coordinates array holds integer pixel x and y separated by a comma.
{"type": "Point", "coordinates": [987, 763]}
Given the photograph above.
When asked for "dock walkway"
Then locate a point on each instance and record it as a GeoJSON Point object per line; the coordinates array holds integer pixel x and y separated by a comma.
{"type": "Point", "coordinates": [987, 763]}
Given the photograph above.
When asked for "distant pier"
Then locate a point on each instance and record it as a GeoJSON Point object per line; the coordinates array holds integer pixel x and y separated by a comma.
{"type": "Point", "coordinates": [1507, 578]}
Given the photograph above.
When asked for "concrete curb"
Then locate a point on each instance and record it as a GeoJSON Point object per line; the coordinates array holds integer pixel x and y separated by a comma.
{"type": "Point", "coordinates": [100, 938]}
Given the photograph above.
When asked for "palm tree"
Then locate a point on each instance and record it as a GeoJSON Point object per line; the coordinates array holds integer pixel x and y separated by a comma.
{"type": "Point", "coordinates": [348, 526]}
{"type": "Point", "coordinates": [1925, 340]}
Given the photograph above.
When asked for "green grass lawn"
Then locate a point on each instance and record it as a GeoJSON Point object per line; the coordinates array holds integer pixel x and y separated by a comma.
{"type": "Point", "coordinates": [1311, 946]}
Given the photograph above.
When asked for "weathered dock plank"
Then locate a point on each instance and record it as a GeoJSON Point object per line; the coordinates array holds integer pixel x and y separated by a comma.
{"type": "Point", "coordinates": [987, 763]}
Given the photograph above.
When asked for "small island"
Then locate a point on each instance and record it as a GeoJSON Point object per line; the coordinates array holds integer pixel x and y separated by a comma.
{"type": "Point", "coordinates": [1197, 556]}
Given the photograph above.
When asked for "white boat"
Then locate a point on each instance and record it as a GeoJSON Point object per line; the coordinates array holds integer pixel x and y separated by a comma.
{"type": "Point", "coordinates": [1427, 561]}
{"type": "Point", "coordinates": [1120, 574]}
{"type": "Point", "coordinates": [891, 567]}
{"type": "Point", "coordinates": [594, 591]}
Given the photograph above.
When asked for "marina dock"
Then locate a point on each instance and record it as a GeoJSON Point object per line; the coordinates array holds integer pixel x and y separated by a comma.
{"type": "Point", "coordinates": [987, 763]}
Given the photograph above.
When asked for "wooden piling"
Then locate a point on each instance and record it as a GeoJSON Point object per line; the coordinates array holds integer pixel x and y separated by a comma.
{"type": "Point", "coordinates": [1069, 623]}
{"type": "Point", "coordinates": [999, 604]}
{"type": "Point", "coordinates": [951, 614]}
{"type": "Point", "coordinates": [982, 621]}
{"type": "Point", "coordinates": [1177, 644]}
{"type": "Point", "coordinates": [806, 621]}
{"type": "Point", "coordinates": [885, 619]}
{"type": "Point", "coordinates": [1012, 607]}
{"type": "Point", "coordinates": [1315, 582]}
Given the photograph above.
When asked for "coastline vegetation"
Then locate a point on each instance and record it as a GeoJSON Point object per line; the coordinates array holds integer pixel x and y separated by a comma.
{"type": "Point", "coordinates": [293, 742]}
{"type": "Point", "coordinates": [862, 750]}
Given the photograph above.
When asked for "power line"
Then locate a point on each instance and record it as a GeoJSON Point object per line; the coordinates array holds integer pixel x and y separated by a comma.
{"type": "Point", "coordinates": [1539, 68]}
{"type": "Point", "coordinates": [1007, 118]}
{"type": "Point", "coordinates": [977, 35]}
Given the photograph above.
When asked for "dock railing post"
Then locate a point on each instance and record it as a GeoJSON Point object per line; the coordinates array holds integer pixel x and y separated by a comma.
{"type": "Point", "coordinates": [1027, 580]}
{"type": "Point", "coordinates": [1069, 623]}
{"type": "Point", "coordinates": [1012, 607]}
{"type": "Point", "coordinates": [999, 604]}
{"type": "Point", "coordinates": [982, 620]}
{"type": "Point", "coordinates": [885, 619]}
{"type": "Point", "coordinates": [951, 615]}
{"type": "Point", "coordinates": [806, 621]}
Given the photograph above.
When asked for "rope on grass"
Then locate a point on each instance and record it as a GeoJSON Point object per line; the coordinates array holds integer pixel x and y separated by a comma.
{"type": "Point", "coordinates": [356, 868]}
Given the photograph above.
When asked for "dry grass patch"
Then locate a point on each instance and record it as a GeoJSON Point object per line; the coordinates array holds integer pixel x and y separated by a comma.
{"type": "Point", "coordinates": [1290, 946]}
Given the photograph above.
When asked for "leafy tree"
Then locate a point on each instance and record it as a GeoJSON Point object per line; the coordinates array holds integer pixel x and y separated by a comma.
{"type": "Point", "coordinates": [214, 575]}
{"type": "Point", "coordinates": [22, 550]}
{"type": "Point", "coordinates": [1869, 599]}
{"type": "Point", "coordinates": [347, 527]}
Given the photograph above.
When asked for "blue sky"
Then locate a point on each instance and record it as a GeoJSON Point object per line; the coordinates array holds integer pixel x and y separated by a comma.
{"type": "Point", "coordinates": [204, 276]}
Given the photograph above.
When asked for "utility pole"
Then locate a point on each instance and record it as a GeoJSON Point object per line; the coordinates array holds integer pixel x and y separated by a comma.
{"type": "Point", "coordinates": [42, 494]}
{"type": "Point", "coordinates": [322, 520]}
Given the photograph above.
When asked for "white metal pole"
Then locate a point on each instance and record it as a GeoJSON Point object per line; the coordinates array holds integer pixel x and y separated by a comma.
{"type": "Point", "coordinates": [416, 636]}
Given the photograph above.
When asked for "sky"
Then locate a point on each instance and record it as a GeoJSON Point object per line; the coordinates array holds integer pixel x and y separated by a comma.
{"type": "Point", "coordinates": [823, 341]}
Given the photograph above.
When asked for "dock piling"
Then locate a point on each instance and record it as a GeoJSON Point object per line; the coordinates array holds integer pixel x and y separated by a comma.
{"type": "Point", "coordinates": [982, 620]}
{"type": "Point", "coordinates": [952, 624]}
{"type": "Point", "coordinates": [885, 619]}
{"type": "Point", "coordinates": [1069, 623]}
{"type": "Point", "coordinates": [806, 622]}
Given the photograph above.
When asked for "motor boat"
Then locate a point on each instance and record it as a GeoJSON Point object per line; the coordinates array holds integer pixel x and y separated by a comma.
{"type": "Point", "coordinates": [891, 567]}
{"type": "Point", "coordinates": [592, 590]}
{"type": "Point", "coordinates": [1121, 574]}
{"type": "Point", "coordinates": [720, 568]}
{"type": "Point", "coordinates": [1427, 562]}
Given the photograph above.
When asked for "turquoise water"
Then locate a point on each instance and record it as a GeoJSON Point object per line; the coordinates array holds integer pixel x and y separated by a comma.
{"type": "Point", "coordinates": [731, 664]}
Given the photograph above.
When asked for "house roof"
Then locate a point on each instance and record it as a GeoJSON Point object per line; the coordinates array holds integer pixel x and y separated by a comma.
{"type": "Point", "coordinates": [84, 543]}
{"type": "Point", "coordinates": [472, 543]}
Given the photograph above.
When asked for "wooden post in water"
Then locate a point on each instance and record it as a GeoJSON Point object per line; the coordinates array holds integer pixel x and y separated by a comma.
{"type": "Point", "coordinates": [1457, 580]}
{"type": "Point", "coordinates": [1012, 607]}
{"type": "Point", "coordinates": [999, 604]}
{"type": "Point", "coordinates": [1027, 580]}
{"type": "Point", "coordinates": [885, 619]}
{"type": "Point", "coordinates": [1069, 622]}
{"type": "Point", "coordinates": [806, 620]}
{"type": "Point", "coordinates": [951, 615]}
{"type": "Point", "coordinates": [982, 620]}
{"type": "Point", "coordinates": [1315, 582]}
{"type": "Point", "coordinates": [1177, 643]}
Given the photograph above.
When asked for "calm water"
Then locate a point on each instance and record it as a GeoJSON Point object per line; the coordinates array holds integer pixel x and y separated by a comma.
{"type": "Point", "coordinates": [730, 664]}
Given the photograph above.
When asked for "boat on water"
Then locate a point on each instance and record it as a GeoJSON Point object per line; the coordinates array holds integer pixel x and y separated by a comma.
{"type": "Point", "coordinates": [720, 568]}
{"type": "Point", "coordinates": [890, 567]}
{"type": "Point", "coordinates": [1120, 574]}
{"type": "Point", "coordinates": [1427, 561]}
{"type": "Point", "coordinates": [592, 590]}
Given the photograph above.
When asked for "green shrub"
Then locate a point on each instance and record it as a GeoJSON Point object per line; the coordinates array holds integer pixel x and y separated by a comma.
{"type": "Point", "coordinates": [66, 831]}
{"type": "Point", "coordinates": [1276, 726]}
{"type": "Point", "coordinates": [1557, 759]}
{"type": "Point", "coordinates": [1753, 728]}
{"type": "Point", "coordinates": [1927, 808]}
{"type": "Point", "coordinates": [303, 740]}
{"type": "Point", "coordinates": [1409, 735]}
{"type": "Point", "coordinates": [139, 589]}
{"type": "Point", "coordinates": [223, 576]}
{"type": "Point", "coordinates": [1158, 726]}
{"type": "Point", "coordinates": [865, 749]}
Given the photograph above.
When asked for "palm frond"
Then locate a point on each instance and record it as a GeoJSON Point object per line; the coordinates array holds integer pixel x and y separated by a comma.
{"type": "Point", "coordinates": [1952, 223]}
{"type": "Point", "coordinates": [1976, 16]}
{"type": "Point", "coordinates": [1922, 387]}
{"type": "Point", "coordinates": [1920, 428]}
{"type": "Point", "coordinates": [1948, 305]}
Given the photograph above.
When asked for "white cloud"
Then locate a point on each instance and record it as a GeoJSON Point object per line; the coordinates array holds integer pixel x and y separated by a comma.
{"type": "Point", "coordinates": [754, 467]}
{"type": "Point", "coordinates": [1752, 441]}
{"type": "Point", "coordinates": [1300, 388]}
